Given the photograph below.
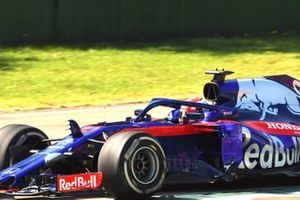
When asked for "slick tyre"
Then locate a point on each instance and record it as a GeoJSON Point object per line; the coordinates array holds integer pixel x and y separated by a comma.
{"type": "Point", "coordinates": [133, 165]}
{"type": "Point", "coordinates": [16, 141]}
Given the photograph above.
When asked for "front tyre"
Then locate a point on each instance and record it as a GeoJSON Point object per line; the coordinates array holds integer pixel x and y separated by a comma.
{"type": "Point", "coordinates": [17, 140]}
{"type": "Point", "coordinates": [133, 165]}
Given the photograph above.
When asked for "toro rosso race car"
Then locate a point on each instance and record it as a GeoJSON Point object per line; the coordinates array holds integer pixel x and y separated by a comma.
{"type": "Point", "coordinates": [243, 128]}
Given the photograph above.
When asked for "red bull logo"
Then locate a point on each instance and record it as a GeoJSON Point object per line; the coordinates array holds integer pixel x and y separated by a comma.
{"type": "Point", "coordinates": [296, 85]}
{"type": "Point", "coordinates": [79, 182]}
{"type": "Point", "coordinates": [264, 96]}
{"type": "Point", "coordinates": [273, 154]}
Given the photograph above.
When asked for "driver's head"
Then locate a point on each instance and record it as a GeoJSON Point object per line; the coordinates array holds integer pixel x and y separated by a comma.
{"type": "Point", "coordinates": [174, 115]}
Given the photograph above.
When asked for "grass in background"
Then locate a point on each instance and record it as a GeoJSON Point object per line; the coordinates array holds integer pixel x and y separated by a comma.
{"type": "Point", "coordinates": [80, 75]}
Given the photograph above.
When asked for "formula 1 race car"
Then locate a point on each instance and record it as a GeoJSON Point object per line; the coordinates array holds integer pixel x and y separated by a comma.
{"type": "Point", "coordinates": [244, 127]}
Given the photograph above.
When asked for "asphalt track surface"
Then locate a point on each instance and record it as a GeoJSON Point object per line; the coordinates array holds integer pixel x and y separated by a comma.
{"type": "Point", "coordinates": [53, 122]}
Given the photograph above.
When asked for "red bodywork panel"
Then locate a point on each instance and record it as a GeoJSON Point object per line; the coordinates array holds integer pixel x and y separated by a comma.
{"type": "Point", "coordinates": [165, 131]}
{"type": "Point", "coordinates": [276, 128]}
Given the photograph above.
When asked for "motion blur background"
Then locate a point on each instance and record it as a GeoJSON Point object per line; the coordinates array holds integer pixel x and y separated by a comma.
{"type": "Point", "coordinates": [101, 20]}
{"type": "Point", "coordinates": [62, 53]}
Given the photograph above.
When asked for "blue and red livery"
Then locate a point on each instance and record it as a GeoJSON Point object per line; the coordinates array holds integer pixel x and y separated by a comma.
{"type": "Point", "coordinates": [245, 127]}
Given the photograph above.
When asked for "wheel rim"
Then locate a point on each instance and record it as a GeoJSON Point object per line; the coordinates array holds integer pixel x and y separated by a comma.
{"type": "Point", "coordinates": [145, 165]}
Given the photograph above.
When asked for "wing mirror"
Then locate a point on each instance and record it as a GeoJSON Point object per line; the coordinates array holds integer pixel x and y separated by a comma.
{"type": "Point", "coordinates": [147, 117]}
{"type": "Point", "coordinates": [138, 112]}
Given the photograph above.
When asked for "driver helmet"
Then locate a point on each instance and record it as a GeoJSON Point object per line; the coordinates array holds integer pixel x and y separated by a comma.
{"type": "Point", "coordinates": [174, 115]}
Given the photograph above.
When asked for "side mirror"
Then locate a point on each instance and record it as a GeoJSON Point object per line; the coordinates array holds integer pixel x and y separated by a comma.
{"type": "Point", "coordinates": [128, 119]}
{"type": "Point", "coordinates": [138, 112]}
{"type": "Point", "coordinates": [148, 118]}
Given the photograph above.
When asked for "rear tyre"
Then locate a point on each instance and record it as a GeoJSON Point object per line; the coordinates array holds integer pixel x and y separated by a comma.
{"type": "Point", "coordinates": [133, 165]}
{"type": "Point", "coordinates": [16, 141]}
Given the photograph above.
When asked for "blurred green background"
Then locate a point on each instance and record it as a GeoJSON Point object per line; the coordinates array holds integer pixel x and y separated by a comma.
{"type": "Point", "coordinates": [107, 73]}
{"type": "Point", "coordinates": [49, 21]}
{"type": "Point", "coordinates": [63, 53]}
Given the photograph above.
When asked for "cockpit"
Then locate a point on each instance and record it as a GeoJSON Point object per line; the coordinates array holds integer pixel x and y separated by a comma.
{"type": "Point", "coordinates": [174, 111]}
